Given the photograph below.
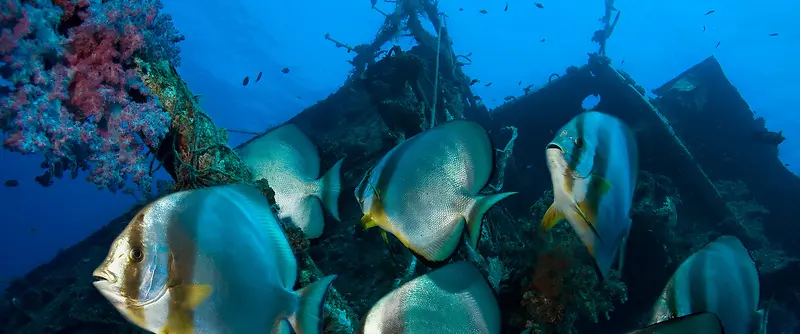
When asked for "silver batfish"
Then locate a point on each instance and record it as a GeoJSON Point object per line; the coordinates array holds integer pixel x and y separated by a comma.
{"type": "Point", "coordinates": [455, 299]}
{"type": "Point", "coordinates": [209, 261]}
{"type": "Point", "coordinates": [593, 163]}
{"type": "Point", "coordinates": [720, 278]}
{"type": "Point", "coordinates": [425, 190]}
{"type": "Point", "coordinates": [290, 162]}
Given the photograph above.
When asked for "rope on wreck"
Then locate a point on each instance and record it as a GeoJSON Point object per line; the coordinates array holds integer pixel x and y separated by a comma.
{"type": "Point", "coordinates": [436, 75]}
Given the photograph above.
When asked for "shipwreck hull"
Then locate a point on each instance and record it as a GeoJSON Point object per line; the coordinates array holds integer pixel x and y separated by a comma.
{"type": "Point", "coordinates": [359, 123]}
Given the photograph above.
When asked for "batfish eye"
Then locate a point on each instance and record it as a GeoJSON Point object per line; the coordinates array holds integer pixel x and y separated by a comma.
{"type": "Point", "coordinates": [136, 254]}
{"type": "Point", "coordinates": [578, 142]}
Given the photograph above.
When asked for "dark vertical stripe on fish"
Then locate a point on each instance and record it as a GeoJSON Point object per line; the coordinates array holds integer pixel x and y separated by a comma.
{"type": "Point", "coordinates": [180, 317]}
{"type": "Point", "coordinates": [133, 270]}
{"type": "Point", "coordinates": [576, 153]}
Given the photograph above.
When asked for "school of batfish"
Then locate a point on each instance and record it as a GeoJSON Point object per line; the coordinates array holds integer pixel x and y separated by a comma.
{"type": "Point", "coordinates": [216, 260]}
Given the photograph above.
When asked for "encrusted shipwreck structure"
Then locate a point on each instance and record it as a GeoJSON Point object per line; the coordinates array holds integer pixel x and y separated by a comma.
{"type": "Point", "coordinates": [705, 170]}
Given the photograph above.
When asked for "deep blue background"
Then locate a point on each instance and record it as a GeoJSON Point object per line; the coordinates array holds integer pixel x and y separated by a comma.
{"type": "Point", "coordinates": [227, 40]}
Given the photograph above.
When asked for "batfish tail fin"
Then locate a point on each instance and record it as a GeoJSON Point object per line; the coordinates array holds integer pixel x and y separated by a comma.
{"type": "Point", "coordinates": [308, 318]}
{"type": "Point", "coordinates": [475, 215]}
{"type": "Point", "coordinates": [329, 187]}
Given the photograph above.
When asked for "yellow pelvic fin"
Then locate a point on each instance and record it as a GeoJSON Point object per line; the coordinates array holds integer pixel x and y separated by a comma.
{"type": "Point", "coordinates": [368, 222]}
{"type": "Point", "coordinates": [191, 295]}
{"type": "Point", "coordinates": [551, 218]}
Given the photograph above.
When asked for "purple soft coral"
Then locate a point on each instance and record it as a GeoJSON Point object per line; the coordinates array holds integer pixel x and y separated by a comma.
{"type": "Point", "coordinates": [74, 94]}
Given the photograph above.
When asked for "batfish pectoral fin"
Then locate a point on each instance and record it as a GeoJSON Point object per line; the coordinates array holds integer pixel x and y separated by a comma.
{"type": "Point", "coordinates": [596, 187]}
{"type": "Point", "coordinates": [367, 222]}
{"type": "Point", "coordinates": [189, 296]}
{"type": "Point", "coordinates": [552, 217]}
{"type": "Point", "coordinates": [599, 184]}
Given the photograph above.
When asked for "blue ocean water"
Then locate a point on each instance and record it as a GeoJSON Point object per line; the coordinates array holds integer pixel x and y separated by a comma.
{"type": "Point", "coordinates": [228, 40]}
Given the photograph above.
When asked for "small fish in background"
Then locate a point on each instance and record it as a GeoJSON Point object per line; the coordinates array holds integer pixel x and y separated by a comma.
{"type": "Point", "coordinates": [543, 40]}
{"type": "Point", "coordinates": [704, 28]}
{"type": "Point", "coordinates": [258, 78]}
{"type": "Point", "coordinates": [11, 183]}
{"type": "Point", "coordinates": [593, 163]}
{"type": "Point", "coordinates": [506, 9]}
{"type": "Point", "coordinates": [705, 323]}
{"type": "Point", "coordinates": [718, 43]}
{"type": "Point", "coordinates": [720, 278]}
{"type": "Point", "coordinates": [539, 5]}
{"type": "Point", "coordinates": [425, 190]}
{"type": "Point", "coordinates": [787, 165]}
{"type": "Point", "coordinates": [211, 260]}
{"type": "Point", "coordinates": [519, 83]}
{"type": "Point", "coordinates": [474, 81]}
{"type": "Point", "coordinates": [622, 62]}
{"type": "Point", "coordinates": [483, 11]}
{"type": "Point", "coordinates": [285, 70]}
{"type": "Point", "coordinates": [488, 84]}
{"type": "Point", "coordinates": [455, 298]}
{"type": "Point", "coordinates": [461, 9]}
{"type": "Point", "coordinates": [290, 162]}
{"type": "Point", "coordinates": [245, 81]}
{"type": "Point", "coordinates": [711, 12]}
{"type": "Point", "coordinates": [774, 34]}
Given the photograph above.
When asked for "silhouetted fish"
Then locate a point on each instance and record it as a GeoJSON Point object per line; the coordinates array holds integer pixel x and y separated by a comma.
{"type": "Point", "coordinates": [717, 45]}
{"type": "Point", "coordinates": [774, 34]}
{"type": "Point", "coordinates": [11, 183]}
{"type": "Point", "coordinates": [285, 70]}
{"type": "Point", "coordinates": [543, 40]}
{"type": "Point", "coordinates": [710, 12]}
{"type": "Point", "coordinates": [489, 84]}
{"type": "Point", "coordinates": [539, 5]}
{"type": "Point", "coordinates": [259, 76]}
{"type": "Point", "coordinates": [506, 9]}
{"type": "Point", "coordinates": [704, 28]}
{"type": "Point", "coordinates": [245, 81]}
{"type": "Point", "coordinates": [483, 11]}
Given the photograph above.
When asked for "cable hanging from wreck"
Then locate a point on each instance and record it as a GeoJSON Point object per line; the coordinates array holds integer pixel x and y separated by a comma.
{"type": "Point", "coordinates": [436, 74]}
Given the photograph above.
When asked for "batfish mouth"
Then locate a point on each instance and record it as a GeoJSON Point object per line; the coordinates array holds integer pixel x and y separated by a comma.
{"type": "Point", "coordinates": [552, 146]}
{"type": "Point", "coordinates": [104, 277]}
